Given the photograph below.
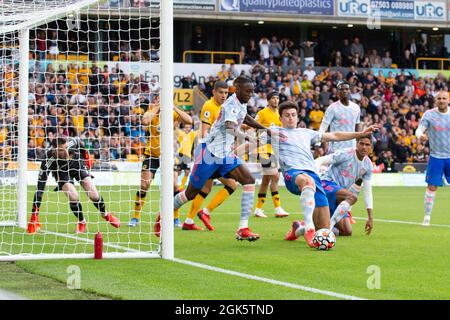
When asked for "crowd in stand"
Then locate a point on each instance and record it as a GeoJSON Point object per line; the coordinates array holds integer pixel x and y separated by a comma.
{"type": "Point", "coordinates": [104, 106]}
{"type": "Point", "coordinates": [396, 103]}
{"type": "Point", "coordinates": [274, 52]}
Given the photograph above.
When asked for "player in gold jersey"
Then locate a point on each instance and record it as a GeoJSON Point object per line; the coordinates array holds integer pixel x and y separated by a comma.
{"type": "Point", "coordinates": [208, 116]}
{"type": "Point", "coordinates": [152, 153]}
{"type": "Point", "coordinates": [269, 117]}
{"type": "Point", "coordinates": [186, 137]}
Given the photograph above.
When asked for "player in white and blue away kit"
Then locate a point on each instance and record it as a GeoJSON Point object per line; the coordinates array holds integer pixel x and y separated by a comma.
{"type": "Point", "coordinates": [343, 116]}
{"type": "Point", "coordinates": [214, 157]}
{"type": "Point", "coordinates": [346, 170]}
{"type": "Point", "coordinates": [299, 169]}
{"type": "Point", "coordinates": [437, 124]}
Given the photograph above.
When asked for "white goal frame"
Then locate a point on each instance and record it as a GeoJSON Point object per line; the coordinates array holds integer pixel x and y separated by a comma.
{"type": "Point", "coordinates": [29, 21]}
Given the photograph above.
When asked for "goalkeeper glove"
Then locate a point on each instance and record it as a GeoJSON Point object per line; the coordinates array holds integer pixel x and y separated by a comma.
{"type": "Point", "coordinates": [87, 159]}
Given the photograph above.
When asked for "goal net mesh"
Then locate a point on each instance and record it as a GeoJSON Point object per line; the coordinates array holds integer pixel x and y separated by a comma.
{"type": "Point", "coordinates": [93, 75]}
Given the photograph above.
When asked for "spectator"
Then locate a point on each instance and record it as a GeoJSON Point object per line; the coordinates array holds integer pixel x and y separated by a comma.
{"type": "Point", "coordinates": [198, 43]}
{"type": "Point", "coordinates": [188, 83]}
{"type": "Point", "coordinates": [252, 52]}
{"type": "Point", "coordinates": [223, 74]}
{"type": "Point", "coordinates": [346, 53]}
{"type": "Point", "coordinates": [337, 59]}
{"type": "Point", "coordinates": [275, 49]}
{"type": "Point", "coordinates": [366, 63]}
{"type": "Point", "coordinates": [386, 62]}
{"type": "Point", "coordinates": [316, 116]}
{"type": "Point", "coordinates": [407, 60]}
{"type": "Point", "coordinates": [310, 73]}
{"type": "Point", "coordinates": [374, 57]}
{"type": "Point", "coordinates": [264, 49]}
{"type": "Point", "coordinates": [412, 48]}
{"type": "Point", "coordinates": [53, 47]}
{"type": "Point", "coordinates": [387, 161]}
{"type": "Point", "coordinates": [357, 47]}
{"type": "Point", "coordinates": [308, 53]}
{"type": "Point", "coordinates": [41, 45]}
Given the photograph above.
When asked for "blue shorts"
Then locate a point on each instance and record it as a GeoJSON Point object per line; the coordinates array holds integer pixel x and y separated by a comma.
{"type": "Point", "coordinates": [331, 189]}
{"type": "Point", "coordinates": [436, 169]}
{"type": "Point", "coordinates": [208, 166]}
{"type": "Point", "coordinates": [289, 179]}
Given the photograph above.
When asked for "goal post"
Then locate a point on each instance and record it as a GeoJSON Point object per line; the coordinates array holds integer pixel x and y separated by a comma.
{"type": "Point", "coordinates": [107, 63]}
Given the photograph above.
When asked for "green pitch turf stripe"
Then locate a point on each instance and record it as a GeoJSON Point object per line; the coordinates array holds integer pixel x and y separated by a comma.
{"type": "Point", "coordinates": [271, 281]}
{"type": "Point", "coordinates": [404, 222]}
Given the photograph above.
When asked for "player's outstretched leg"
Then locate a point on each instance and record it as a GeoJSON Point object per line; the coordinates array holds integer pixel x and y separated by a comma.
{"type": "Point", "coordinates": [297, 230]}
{"type": "Point", "coordinates": [195, 207]}
{"type": "Point", "coordinates": [149, 165]}
{"type": "Point", "coordinates": [308, 203]}
{"type": "Point", "coordinates": [98, 201]}
{"type": "Point", "coordinates": [242, 175]}
{"type": "Point", "coordinates": [430, 194]}
{"type": "Point", "coordinates": [205, 214]}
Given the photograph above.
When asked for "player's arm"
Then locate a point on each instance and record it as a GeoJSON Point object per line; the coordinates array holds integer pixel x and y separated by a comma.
{"type": "Point", "coordinates": [233, 129]}
{"type": "Point", "coordinates": [251, 122]}
{"type": "Point", "coordinates": [344, 136]}
{"type": "Point", "coordinates": [184, 117]}
{"type": "Point", "coordinates": [206, 120]}
{"type": "Point", "coordinates": [205, 129]}
{"type": "Point", "coordinates": [149, 115]}
{"type": "Point", "coordinates": [368, 199]}
{"type": "Point", "coordinates": [327, 118]}
{"type": "Point", "coordinates": [255, 124]}
{"type": "Point", "coordinates": [420, 133]}
{"type": "Point", "coordinates": [84, 153]}
{"type": "Point", "coordinates": [42, 181]}
{"type": "Point", "coordinates": [324, 161]}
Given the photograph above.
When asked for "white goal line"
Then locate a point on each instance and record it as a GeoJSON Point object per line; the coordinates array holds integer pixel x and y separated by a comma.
{"type": "Point", "coordinates": [225, 271]}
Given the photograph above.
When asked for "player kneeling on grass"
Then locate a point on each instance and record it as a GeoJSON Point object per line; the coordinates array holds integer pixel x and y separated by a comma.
{"type": "Point", "coordinates": [299, 169]}
{"type": "Point", "coordinates": [346, 170]}
{"type": "Point", "coordinates": [68, 160]}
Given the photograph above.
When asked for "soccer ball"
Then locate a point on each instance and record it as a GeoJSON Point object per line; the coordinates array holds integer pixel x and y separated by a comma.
{"type": "Point", "coordinates": [324, 239]}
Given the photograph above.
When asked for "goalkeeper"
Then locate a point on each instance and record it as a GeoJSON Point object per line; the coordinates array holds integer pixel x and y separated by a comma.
{"type": "Point", "coordinates": [67, 159]}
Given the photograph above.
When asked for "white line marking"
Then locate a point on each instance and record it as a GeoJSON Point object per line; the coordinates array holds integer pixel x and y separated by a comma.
{"type": "Point", "coordinates": [106, 244]}
{"type": "Point", "coordinates": [5, 295]}
{"type": "Point", "coordinates": [404, 222]}
{"type": "Point", "coordinates": [267, 280]}
{"type": "Point", "coordinates": [230, 272]}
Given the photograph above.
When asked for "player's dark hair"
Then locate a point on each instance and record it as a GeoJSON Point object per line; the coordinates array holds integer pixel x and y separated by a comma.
{"type": "Point", "coordinates": [241, 80]}
{"type": "Point", "coordinates": [220, 85]}
{"type": "Point", "coordinates": [287, 105]}
{"type": "Point", "coordinates": [58, 141]}
{"type": "Point", "coordinates": [365, 137]}
{"type": "Point", "coordinates": [342, 83]}
{"type": "Point", "coordinates": [272, 94]}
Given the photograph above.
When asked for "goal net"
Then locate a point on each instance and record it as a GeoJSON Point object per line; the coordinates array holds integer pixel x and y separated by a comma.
{"type": "Point", "coordinates": [77, 80]}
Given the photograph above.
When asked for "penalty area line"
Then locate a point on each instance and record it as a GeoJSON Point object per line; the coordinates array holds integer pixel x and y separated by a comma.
{"type": "Point", "coordinates": [405, 222]}
{"type": "Point", "coordinates": [267, 280]}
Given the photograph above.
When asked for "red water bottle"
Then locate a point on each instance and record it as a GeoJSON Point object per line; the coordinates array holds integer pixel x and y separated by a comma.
{"type": "Point", "coordinates": [98, 246]}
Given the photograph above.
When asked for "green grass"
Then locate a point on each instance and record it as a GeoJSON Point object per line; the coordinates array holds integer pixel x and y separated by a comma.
{"type": "Point", "coordinates": [413, 260]}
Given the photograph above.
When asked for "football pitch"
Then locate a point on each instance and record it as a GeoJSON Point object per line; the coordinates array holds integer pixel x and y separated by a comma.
{"type": "Point", "coordinates": [400, 259]}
